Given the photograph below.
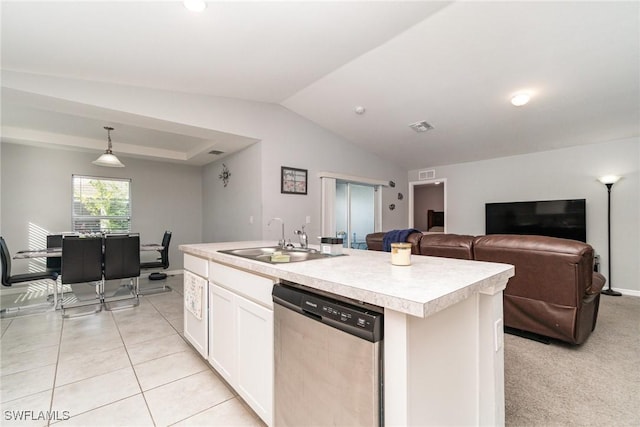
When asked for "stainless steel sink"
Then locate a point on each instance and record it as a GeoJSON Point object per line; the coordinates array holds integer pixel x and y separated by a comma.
{"type": "Point", "coordinates": [264, 254]}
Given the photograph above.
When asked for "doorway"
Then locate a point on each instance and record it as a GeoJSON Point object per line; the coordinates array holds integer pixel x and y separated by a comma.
{"type": "Point", "coordinates": [351, 208]}
{"type": "Point", "coordinates": [428, 205]}
{"type": "Point", "coordinates": [355, 213]}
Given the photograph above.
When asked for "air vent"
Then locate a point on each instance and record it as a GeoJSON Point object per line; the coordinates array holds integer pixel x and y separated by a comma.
{"type": "Point", "coordinates": [216, 152]}
{"type": "Point", "coordinates": [422, 126]}
{"type": "Point", "coordinates": [426, 174]}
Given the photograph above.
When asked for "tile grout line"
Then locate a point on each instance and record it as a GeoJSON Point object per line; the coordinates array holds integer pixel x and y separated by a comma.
{"type": "Point", "coordinates": [204, 410]}
{"type": "Point", "coordinates": [132, 367]}
{"type": "Point", "coordinates": [10, 321]}
{"type": "Point", "coordinates": [80, 380]}
{"type": "Point", "coordinates": [55, 375]}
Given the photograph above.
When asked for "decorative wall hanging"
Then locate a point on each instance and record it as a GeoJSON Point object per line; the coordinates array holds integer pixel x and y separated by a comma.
{"type": "Point", "coordinates": [392, 184]}
{"type": "Point", "coordinates": [392, 206]}
{"type": "Point", "coordinates": [400, 196]}
{"type": "Point", "coordinates": [293, 180]}
{"type": "Point", "coordinates": [224, 175]}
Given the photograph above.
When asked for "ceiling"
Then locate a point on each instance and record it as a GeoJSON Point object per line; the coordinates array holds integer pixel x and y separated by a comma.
{"type": "Point", "coordinates": [454, 65]}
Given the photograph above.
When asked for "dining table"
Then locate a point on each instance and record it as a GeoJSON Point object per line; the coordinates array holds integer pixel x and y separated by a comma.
{"type": "Point", "coordinates": [57, 252]}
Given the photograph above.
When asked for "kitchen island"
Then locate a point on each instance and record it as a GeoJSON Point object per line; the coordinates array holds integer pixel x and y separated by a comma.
{"type": "Point", "coordinates": [443, 339]}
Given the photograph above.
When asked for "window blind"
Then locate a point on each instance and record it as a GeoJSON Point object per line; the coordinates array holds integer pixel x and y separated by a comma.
{"type": "Point", "coordinates": [101, 205]}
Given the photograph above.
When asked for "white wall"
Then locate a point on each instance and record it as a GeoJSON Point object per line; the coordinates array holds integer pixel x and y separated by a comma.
{"type": "Point", "coordinates": [36, 193]}
{"type": "Point", "coordinates": [290, 140]}
{"type": "Point", "coordinates": [227, 210]}
{"type": "Point", "coordinates": [569, 173]}
{"type": "Point", "coordinates": [286, 139]}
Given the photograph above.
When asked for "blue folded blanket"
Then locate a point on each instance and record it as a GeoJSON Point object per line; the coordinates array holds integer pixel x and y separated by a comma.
{"type": "Point", "coordinates": [396, 236]}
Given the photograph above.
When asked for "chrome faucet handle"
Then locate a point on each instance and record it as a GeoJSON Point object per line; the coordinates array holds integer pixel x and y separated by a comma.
{"type": "Point", "coordinates": [304, 239]}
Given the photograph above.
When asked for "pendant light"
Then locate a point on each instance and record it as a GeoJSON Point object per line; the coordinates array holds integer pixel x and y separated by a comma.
{"type": "Point", "coordinates": [108, 159]}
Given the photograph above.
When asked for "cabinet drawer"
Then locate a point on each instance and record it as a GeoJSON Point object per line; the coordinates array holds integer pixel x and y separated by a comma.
{"type": "Point", "coordinates": [199, 266]}
{"type": "Point", "coordinates": [251, 286]}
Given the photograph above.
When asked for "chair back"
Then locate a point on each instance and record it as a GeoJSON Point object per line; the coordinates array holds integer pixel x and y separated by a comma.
{"type": "Point", "coordinates": [164, 254]}
{"type": "Point", "coordinates": [54, 263]}
{"type": "Point", "coordinates": [81, 259]}
{"type": "Point", "coordinates": [121, 256]}
{"type": "Point", "coordinates": [6, 262]}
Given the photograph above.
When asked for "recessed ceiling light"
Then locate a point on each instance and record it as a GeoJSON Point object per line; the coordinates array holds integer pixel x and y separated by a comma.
{"type": "Point", "coordinates": [520, 99]}
{"type": "Point", "coordinates": [360, 109]}
{"type": "Point", "coordinates": [195, 5]}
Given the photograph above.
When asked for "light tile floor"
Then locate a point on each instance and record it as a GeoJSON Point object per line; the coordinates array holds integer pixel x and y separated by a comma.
{"type": "Point", "coordinates": [117, 368]}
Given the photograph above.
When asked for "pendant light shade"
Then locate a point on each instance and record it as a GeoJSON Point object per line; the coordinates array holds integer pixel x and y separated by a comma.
{"type": "Point", "coordinates": [108, 159]}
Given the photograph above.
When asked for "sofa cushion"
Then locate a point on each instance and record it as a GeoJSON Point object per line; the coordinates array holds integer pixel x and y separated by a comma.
{"type": "Point", "coordinates": [375, 241]}
{"type": "Point", "coordinates": [447, 245]}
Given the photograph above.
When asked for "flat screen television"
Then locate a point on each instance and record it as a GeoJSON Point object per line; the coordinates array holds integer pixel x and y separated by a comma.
{"type": "Point", "coordinates": [554, 218]}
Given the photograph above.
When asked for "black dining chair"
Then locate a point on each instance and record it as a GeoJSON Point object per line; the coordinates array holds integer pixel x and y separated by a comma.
{"type": "Point", "coordinates": [122, 261]}
{"type": "Point", "coordinates": [161, 263]}
{"type": "Point", "coordinates": [81, 264]}
{"type": "Point", "coordinates": [9, 280]}
{"type": "Point", "coordinates": [54, 263]}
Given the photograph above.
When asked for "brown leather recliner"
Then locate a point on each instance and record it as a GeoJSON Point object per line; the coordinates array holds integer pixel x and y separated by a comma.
{"type": "Point", "coordinates": [555, 291]}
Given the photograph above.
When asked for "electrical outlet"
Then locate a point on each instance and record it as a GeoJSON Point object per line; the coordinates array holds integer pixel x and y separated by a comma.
{"type": "Point", "coordinates": [251, 219]}
{"type": "Point", "coordinates": [308, 219]}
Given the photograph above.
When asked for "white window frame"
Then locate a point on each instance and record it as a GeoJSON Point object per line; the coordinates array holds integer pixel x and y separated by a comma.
{"type": "Point", "coordinates": [75, 218]}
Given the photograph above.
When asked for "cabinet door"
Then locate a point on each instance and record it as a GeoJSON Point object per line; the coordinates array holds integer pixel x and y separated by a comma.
{"type": "Point", "coordinates": [254, 378]}
{"type": "Point", "coordinates": [222, 332]}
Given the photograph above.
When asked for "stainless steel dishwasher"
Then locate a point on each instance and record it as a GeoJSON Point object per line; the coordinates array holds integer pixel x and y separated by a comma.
{"type": "Point", "coordinates": [328, 360]}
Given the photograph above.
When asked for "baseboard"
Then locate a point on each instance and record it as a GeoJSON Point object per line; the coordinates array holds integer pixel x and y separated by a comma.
{"type": "Point", "coordinates": [628, 292]}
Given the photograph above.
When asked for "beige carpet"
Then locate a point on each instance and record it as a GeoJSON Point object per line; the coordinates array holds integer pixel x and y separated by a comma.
{"type": "Point", "coordinates": [595, 384]}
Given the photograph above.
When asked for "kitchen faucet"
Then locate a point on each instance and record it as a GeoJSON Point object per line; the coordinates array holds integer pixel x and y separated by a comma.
{"type": "Point", "coordinates": [304, 239]}
{"type": "Point", "coordinates": [281, 242]}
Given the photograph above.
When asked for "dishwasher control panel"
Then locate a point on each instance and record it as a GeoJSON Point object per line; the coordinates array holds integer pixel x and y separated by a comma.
{"type": "Point", "coordinates": [349, 318]}
{"type": "Point", "coordinates": [339, 313]}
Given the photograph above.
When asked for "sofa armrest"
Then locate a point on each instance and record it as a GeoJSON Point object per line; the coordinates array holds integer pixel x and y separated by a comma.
{"type": "Point", "coordinates": [597, 283]}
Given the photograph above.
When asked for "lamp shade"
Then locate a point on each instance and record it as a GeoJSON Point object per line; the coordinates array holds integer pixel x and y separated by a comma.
{"type": "Point", "coordinates": [109, 160]}
{"type": "Point", "coordinates": [609, 179]}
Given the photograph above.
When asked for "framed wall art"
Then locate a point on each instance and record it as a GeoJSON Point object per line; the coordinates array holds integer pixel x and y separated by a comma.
{"type": "Point", "coordinates": [293, 180]}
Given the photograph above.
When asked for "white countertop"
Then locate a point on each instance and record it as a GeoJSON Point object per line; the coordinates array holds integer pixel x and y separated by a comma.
{"type": "Point", "coordinates": [428, 285]}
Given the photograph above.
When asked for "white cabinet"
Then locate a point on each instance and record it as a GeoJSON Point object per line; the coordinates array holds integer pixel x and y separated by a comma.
{"type": "Point", "coordinates": [222, 332]}
{"type": "Point", "coordinates": [241, 334]}
{"type": "Point", "coordinates": [254, 345]}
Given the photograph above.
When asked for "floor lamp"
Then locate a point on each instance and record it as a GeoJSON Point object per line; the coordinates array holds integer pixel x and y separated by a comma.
{"type": "Point", "coordinates": [609, 180]}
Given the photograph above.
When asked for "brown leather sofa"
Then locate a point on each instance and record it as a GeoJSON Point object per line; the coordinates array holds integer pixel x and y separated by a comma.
{"type": "Point", "coordinates": [555, 293]}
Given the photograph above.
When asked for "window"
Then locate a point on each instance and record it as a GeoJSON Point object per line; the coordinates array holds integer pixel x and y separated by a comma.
{"type": "Point", "coordinates": [101, 205]}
